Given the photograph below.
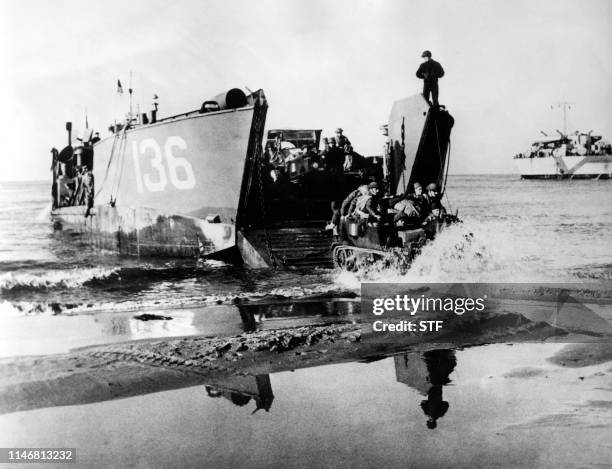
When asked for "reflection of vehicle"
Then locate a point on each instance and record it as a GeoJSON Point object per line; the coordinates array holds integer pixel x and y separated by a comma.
{"type": "Point", "coordinates": [418, 140]}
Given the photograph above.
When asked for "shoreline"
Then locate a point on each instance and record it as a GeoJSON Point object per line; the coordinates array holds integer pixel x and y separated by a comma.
{"type": "Point", "coordinates": [112, 371]}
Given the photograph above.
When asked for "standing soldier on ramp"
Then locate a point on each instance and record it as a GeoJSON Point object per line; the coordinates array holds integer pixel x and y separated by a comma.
{"type": "Point", "coordinates": [429, 71]}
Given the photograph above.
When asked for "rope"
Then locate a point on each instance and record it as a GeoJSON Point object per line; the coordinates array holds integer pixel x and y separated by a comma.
{"type": "Point", "coordinates": [122, 163]}
{"type": "Point", "coordinates": [121, 151]}
{"type": "Point", "coordinates": [447, 166]}
{"type": "Point", "coordinates": [447, 163]}
{"type": "Point", "coordinates": [446, 176]}
{"type": "Point", "coordinates": [438, 143]}
{"type": "Point", "coordinates": [110, 160]}
{"type": "Point", "coordinates": [262, 202]}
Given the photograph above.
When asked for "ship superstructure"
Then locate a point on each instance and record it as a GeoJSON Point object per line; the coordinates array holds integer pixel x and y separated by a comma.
{"type": "Point", "coordinates": [578, 155]}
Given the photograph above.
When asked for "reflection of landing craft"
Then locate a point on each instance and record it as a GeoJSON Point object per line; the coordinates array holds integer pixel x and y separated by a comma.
{"type": "Point", "coordinates": [416, 151]}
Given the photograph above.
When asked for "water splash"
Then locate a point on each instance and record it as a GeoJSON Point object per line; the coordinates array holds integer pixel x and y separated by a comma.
{"type": "Point", "coordinates": [468, 252]}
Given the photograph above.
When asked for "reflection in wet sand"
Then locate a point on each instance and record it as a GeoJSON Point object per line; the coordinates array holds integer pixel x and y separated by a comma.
{"type": "Point", "coordinates": [427, 373]}
{"type": "Point", "coordinates": [254, 315]}
{"type": "Point", "coordinates": [257, 388]}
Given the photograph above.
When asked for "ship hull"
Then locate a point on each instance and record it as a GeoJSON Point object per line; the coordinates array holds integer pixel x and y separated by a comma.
{"type": "Point", "coordinates": [566, 167]}
{"type": "Point", "coordinates": [172, 188]}
{"type": "Point", "coordinates": [148, 233]}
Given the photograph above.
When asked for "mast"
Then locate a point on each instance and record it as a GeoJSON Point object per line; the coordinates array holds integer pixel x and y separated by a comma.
{"type": "Point", "coordinates": [565, 106]}
{"type": "Point", "coordinates": [130, 90]}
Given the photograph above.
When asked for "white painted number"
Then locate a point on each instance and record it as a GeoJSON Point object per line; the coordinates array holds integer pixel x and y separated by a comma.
{"type": "Point", "coordinates": [159, 181]}
{"type": "Point", "coordinates": [176, 163]}
{"type": "Point", "coordinates": [180, 171]}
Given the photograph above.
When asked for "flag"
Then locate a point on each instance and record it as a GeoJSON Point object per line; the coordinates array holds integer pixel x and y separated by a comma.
{"type": "Point", "coordinates": [86, 120]}
{"type": "Point", "coordinates": [119, 87]}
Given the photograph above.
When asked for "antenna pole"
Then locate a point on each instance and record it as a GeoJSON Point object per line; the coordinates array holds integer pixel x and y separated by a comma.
{"type": "Point", "coordinates": [130, 91]}
{"type": "Point", "coordinates": [565, 106]}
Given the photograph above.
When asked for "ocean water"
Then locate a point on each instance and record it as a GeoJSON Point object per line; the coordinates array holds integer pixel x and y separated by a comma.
{"type": "Point", "coordinates": [512, 231]}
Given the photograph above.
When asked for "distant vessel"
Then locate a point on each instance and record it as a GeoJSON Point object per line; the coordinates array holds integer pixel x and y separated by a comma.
{"type": "Point", "coordinates": [576, 156]}
{"type": "Point", "coordinates": [569, 156]}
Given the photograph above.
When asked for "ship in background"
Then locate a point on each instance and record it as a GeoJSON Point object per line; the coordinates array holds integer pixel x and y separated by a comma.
{"type": "Point", "coordinates": [580, 155]}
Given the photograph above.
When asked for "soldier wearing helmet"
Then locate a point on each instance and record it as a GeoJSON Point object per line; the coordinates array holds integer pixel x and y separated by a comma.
{"type": "Point", "coordinates": [429, 71]}
{"type": "Point", "coordinates": [434, 200]}
{"type": "Point", "coordinates": [367, 206]}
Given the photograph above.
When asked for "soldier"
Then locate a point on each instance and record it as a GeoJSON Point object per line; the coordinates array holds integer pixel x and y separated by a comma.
{"type": "Point", "coordinates": [325, 148]}
{"type": "Point", "coordinates": [367, 205]}
{"type": "Point", "coordinates": [429, 71]}
{"type": "Point", "coordinates": [55, 168]}
{"type": "Point", "coordinates": [419, 199]}
{"type": "Point", "coordinates": [88, 190]}
{"type": "Point", "coordinates": [348, 205]}
{"type": "Point", "coordinates": [334, 223]}
{"type": "Point", "coordinates": [334, 158]}
{"type": "Point", "coordinates": [341, 140]}
{"type": "Point", "coordinates": [434, 202]}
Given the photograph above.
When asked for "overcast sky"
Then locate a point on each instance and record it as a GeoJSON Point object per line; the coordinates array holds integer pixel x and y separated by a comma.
{"type": "Point", "coordinates": [322, 64]}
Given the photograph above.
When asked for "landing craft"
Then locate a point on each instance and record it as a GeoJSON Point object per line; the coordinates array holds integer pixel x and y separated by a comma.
{"type": "Point", "coordinates": [417, 151]}
{"type": "Point", "coordinates": [202, 185]}
{"type": "Point", "coordinates": [290, 197]}
{"type": "Point", "coordinates": [170, 187]}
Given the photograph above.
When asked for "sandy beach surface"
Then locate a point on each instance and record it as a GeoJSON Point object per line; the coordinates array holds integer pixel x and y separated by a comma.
{"type": "Point", "coordinates": [325, 391]}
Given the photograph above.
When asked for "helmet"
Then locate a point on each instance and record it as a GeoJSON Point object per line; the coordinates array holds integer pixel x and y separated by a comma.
{"type": "Point", "coordinates": [426, 54]}
{"type": "Point", "coordinates": [432, 187]}
{"type": "Point", "coordinates": [339, 130]}
{"type": "Point", "coordinates": [417, 184]}
{"type": "Point", "coordinates": [373, 185]}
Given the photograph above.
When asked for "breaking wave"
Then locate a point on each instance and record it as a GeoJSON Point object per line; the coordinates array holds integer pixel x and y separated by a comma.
{"type": "Point", "coordinates": [53, 279]}
{"type": "Point", "coordinates": [26, 276]}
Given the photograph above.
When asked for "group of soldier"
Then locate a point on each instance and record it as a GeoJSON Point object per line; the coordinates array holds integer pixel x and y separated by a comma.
{"type": "Point", "coordinates": [364, 203]}
{"type": "Point", "coordinates": [73, 179]}
{"type": "Point", "coordinates": [409, 209]}
{"type": "Point", "coordinates": [336, 155]}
